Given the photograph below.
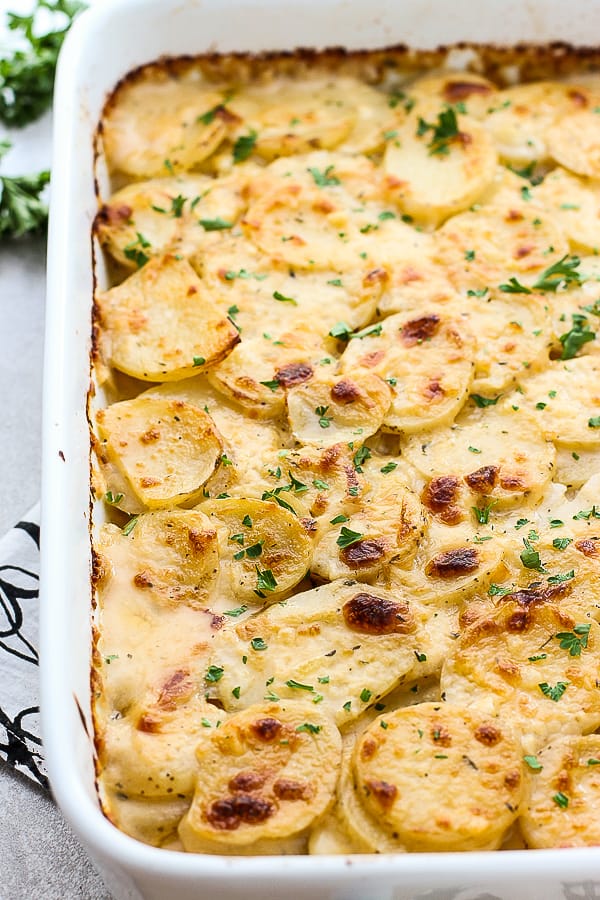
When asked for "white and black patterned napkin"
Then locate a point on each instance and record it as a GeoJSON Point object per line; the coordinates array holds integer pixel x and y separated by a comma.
{"type": "Point", "coordinates": [20, 740]}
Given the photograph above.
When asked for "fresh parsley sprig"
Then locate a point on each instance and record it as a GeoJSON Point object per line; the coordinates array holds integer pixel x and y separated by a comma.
{"type": "Point", "coordinates": [27, 76]}
{"type": "Point", "coordinates": [22, 210]}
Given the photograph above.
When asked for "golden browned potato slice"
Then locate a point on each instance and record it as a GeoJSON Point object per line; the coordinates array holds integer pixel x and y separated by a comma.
{"type": "Point", "coordinates": [468, 92]}
{"type": "Point", "coordinates": [439, 164]}
{"type": "Point", "coordinates": [533, 660]}
{"type": "Point", "coordinates": [267, 774]}
{"type": "Point", "coordinates": [257, 373]}
{"type": "Point", "coordinates": [512, 336]}
{"type": "Point", "coordinates": [291, 116]}
{"type": "Point", "coordinates": [477, 453]}
{"type": "Point", "coordinates": [166, 449]}
{"type": "Point", "coordinates": [564, 788]}
{"type": "Point", "coordinates": [437, 777]}
{"type": "Point", "coordinates": [174, 556]}
{"type": "Point", "coordinates": [426, 361]}
{"type": "Point", "coordinates": [486, 248]}
{"type": "Point", "coordinates": [343, 646]}
{"type": "Point", "coordinates": [521, 117]}
{"type": "Point", "coordinates": [575, 204]}
{"type": "Point", "coordinates": [264, 296]}
{"type": "Point", "coordinates": [388, 528]}
{"type": "Point", "coordinates": [160, 324]}
{"type": "Point", "coordinates": [574, 142]}
{"type": "Point", "coordinates": [149, 218]}
{"type": "Point", "coordinates": [264, 549]}
{"type": "Point", "coordinates": [565, 402]}
{"type": "Point", "coordinates": [326, 410]}
{"type": "Point", "coordinates": [163, 126]}
{"type": "Point", "coordinates": [150, 752]}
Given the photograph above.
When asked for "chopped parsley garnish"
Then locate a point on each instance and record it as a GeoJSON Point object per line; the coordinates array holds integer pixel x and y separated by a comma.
{"type": "Point", "coordinates": [320, 485]}
{"type": "Point", "coordinates": [341, 331]}
{"type": "Point", "coordinates": [514, 287]}
{"type": "Point", "coordinates": [244, 146]}
{"type": "Point", "coordinates": [482, 402]}
{"type": "Point", "coordinates": [324, 179]}
{"type": "Point", "coordinates": [365, 695]}
{"type": "Point", "coordinates": [592, 761]}
{"type": "Point", "coordinates": [533, 763]}
{"type": "Point", "coordinates": [129, 526]}
{"type": "Point", "coordinates": [236, 692]}
{"type": "Point", "coordinates": [530, 557]}
{"type": "Point", "coordinates": [198, 360]}
{"type": "Point", "coordinates": [298, 686]}
{"type": "Point", "coordinates": [324, 419]}
{"type": "Point", "coordinates": [562, 273]}
{"type": "Point", "coordinates": [386, 214]}
{"type": "Point", "coordinates": [537, 657]}
{"type": "Point", "coordinates": [113, 499]}
{"type": "Point", "coordinates": [556, 523]}
{"type": "Point", "coordinates": [347, 537]}
{"type": "Point", "coordinates": [574, 641]}
{"type": "Point", "coordinates": [389, 467]}
{"type": "Point", "coordinates": [521, 523]}
{"type": "Point", "coordinates": [347, 705]}
{"type": "Point", "coordinates": [361, 455]}
{"type": "Point", "coordinates": [323, 679]}
{"type": "Point", "coordinates": [594, 422]}
{"type": "Point", "coordinates": [258, 643]}
{"type": "Point", "coordinates": [572, 341]}
{"type": "Point", "coordinates": [135, 250]}
{"type": "Point", "coordinates": [495, 590]}
{"type": "Point", "coordinates": [338, 519]}
{"type": "Point", "coordinates": [561, 543]}
{"type": "Point", "coordinates": [272, 385]}
{"type": "Point", "coordinates": [247, 521]}
{"type": "Point", "coordinates": [283, 299]}
{"type": "Point", "coordinates": [421, 657]}
{"type": "Point", "coordinates": [177, 204]}
{"type": "Point", "coordinates": [266, 580]}
{"type": "Point", "coordinates": [554, 693]}
{"type": "Point", "coordinates": [214, 673]}
{"type": "Point", "coordinates": [593, 513]}
{"type": "Point", "coordinates": [234, 613]}
{"type": "Point", "coordinates": [231, 275]}
{"type": "Point", "coordinates": [370, 329]}
{"type": "Point", "coordinates": [444, 132]}
{"type": "Point", "coordinates": [217, 224]}
{"type": "Point", "coordinates": [482, 513]}
{"type": "Point", "coordinates": [561, 800]}
{"type": "Point", "coordinates": [309, 728]}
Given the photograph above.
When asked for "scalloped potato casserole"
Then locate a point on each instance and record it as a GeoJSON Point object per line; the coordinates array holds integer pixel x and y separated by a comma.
{"type": "Point", "coordinates": [348, 444]}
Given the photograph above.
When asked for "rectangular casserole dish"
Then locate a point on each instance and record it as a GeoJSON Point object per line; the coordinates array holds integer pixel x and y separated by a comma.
{"type": "Point", "coordinates": [108, 41]}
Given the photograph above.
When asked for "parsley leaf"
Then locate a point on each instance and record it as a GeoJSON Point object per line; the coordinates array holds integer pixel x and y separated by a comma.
{"type": "Point", "coordinates": [444, 132]}
{"type": "Point", "coordinates": [266, 580]}
{"type": "Point", "coordinates": [21, 209]}
{"type": "Point", "coordinates": [514, 287]}
{"type": "Point", "coordinates": [309, 728]}
{"type": "Point", "coordinates": [244, 146]}
{"type": "Point", "coordinates": [554, 693]}
{"type": "Point", "coordinates": [324, 419]}
{"type": "Point", "coordinates": [27, 77]}
{"type": "Point", "coordinates": [324, 179]}
{"type": "Point", "coordinates": [283, 299]}
{"type": "Point", "coordinates": [530, 557]}
{"type": "Point", "coordinates": [482, 402]}
{"type": "Point", "coordinates": [563, 272]}
{"type": "Point", "coordinates": [574, 641]}
{"type": "Point", "coordinates": [217, 224]}
{"type": "Point", "coordinates": [482, 513]}
{"type": "Point", "coordinates": [533, 763]}
{"type": "Point", "coordinates": [572, 341]}
{"type": "Point", "coordinates": [348, 537]}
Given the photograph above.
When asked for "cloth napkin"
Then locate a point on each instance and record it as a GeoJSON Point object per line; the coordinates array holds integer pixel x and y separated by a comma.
{"type": "Point", "coordinates": [20, 736]}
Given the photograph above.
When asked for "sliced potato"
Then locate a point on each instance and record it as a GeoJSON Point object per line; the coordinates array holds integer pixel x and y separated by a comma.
{"type": "Point", "coordinates": [564, 789]}
{"type": "Point", "coordinates": [513, 662]}
{"type": "Point", "coordinates": [575, 204]}
{"type": "Point", "coordinates": [267, 774]}
{"type": "Point", "coordinates": [574, 142]}
{"type": "Point", "coordinates": [167, 449]}
{"type": "Point", "coordinates": [326, 410]}
{"type": "Point", "coordinates": [257, 372]}
{"type": "Point", "coordinates": [161, 325]}
{"type": "Point", "coordinates": [263, 547]}
{"type": "Point", "coordinates": [388, 528]}
{"type": "Point", "coordinates": [149, 218]}
{"type": "Point", "coordinates": [432, 178]}
{"type": "Point", "coordinates": [343, 646]}
{"type": "Point", "coordinates": [152, 821]}
{"type": "Point", "coordinates": [425, 360]}
{"type": "Point", "coordinates": [565, 401]}
{"type": "Point", "coordinates": [509, 333]}
{"type": "Point", "coordinates": [521, 116]}
{"type": "Point", "coordinates": [150, 752]}
{"type": "Point", "coordinates": [496, 455]}
{"type": "Point", "coordinates": [439, 777]}
{"type": "Point", "coordinates": [291, 116]}
{"type": "Point", "coordinates": [574, 467]}
{"type": "Point", "coordinates": [486, 248]}
{"type": "Point", "coordinates": [264, 296]}
{"type": "Point", "coordinates": [162, 126]}
{"type": "Point", "coordinates": [470, 93]}
{"type": "Point", "coordinates": [174, 556]}
{"type": "Point", "coordinates": [330, 836]}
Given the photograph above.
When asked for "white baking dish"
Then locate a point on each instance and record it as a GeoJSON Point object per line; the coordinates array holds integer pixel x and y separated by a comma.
{"type": "Point", "coordinates": [108, 41]}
